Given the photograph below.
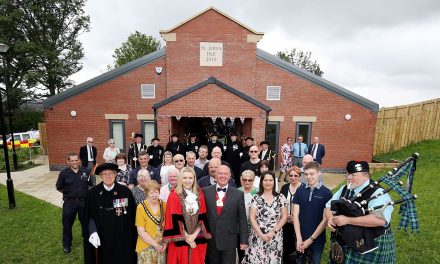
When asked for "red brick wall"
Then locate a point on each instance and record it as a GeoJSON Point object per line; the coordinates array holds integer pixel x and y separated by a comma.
{"type": "Point", "coordinates": [121, 95]}
{"type": "Point", "coordinates": [344, 140]}
{"type": "Point", "coordinates": [183, 55]}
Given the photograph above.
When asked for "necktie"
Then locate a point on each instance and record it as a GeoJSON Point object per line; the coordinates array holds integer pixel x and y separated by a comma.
{"type": "Point", "coordinates": [91, 152]}
{"type": "Point", "coordinates": [313, 151]}
{"type": "Point", "coordinates": [299, 146]}
{"type": "Point", "coordinates": [351, 195]}
{"type": "Point", "coordinates": [221, 189]}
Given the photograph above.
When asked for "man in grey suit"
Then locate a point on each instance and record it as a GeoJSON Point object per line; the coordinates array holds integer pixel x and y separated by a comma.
{"type": "Point", "coordinates": [227, 219]}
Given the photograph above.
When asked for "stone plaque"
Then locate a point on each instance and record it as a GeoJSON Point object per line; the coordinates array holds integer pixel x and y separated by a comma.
{"type": "Point", "coordinates": [211, 54]}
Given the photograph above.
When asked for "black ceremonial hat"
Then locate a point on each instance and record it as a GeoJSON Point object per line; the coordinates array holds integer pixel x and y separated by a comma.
{"type": "Point", "coordinates": [354, 166]}
{"type": "Point", "coordinates": [214, 134]}
{"type": "Point", "coordinates": [233, 134]}
{"type": "Point", "coordinates": [174, 135]}
{"type": "Point", "coordinates": [138, 135]}
{"type": "Point", "coordinates": [250, 138]}
{"type": "Point", "coordinates": [264, 142]}
{"type": "Point", "coordinates": [106, 166]}
{"type": "Point", "coordinates": [155, 138]}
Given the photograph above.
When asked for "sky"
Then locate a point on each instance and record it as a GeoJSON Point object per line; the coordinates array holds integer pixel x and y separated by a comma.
{"type": "Point", "coordinates": [386, 51]}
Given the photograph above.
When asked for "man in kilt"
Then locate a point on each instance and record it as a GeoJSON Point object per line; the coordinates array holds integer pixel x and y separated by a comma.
{"type": "Point", "coordinates": [375, 224]}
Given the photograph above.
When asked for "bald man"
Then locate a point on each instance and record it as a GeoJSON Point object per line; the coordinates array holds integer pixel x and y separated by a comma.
{"type": "Point", "coordinates": [229, 225]}
{"type": "Point", "coordinates": [210, 179]}
{"type": "Point", "coordinates": [217, 153]}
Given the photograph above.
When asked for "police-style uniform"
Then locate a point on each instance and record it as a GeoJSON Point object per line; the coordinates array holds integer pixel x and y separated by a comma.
{"type": "Point", "coordinates": [156, 154]}
{"type": "Point", "coordinates": [175, 147]}
{"type": "Point", "coordinates": [193, 146]}
{"type": "Point", "coordinates": [134, 150]}
{"type": "Point", "coordinates": [74, 186]}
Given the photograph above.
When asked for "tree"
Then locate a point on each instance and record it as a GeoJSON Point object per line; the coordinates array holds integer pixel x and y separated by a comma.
{"type": "Point", "coordinates": [54, 27]}
{"type": "Point", "coordinates": [301, 59]}
{"type": "Point", "coordinates": [44, 47]}
{"type": "Point", "coordinates": [136, 46]}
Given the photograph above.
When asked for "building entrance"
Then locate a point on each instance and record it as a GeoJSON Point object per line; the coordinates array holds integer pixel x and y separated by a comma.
{"type": "Point", "coordinates": [204, 127]}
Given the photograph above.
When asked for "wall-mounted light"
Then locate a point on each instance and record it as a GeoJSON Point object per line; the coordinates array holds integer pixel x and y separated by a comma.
{"type": "Point", "coordinates": [347, 117]}
{"type": "Point", "coordinates": [159, 70]}
{"type": "Point", "coordinates": [73, 113]}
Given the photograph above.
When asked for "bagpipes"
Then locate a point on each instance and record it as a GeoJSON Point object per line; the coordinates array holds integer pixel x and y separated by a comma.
{"type": "Point", "coordinates": [362, 239]}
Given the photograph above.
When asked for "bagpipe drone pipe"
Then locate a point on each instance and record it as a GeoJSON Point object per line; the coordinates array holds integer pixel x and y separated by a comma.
{"type": "Point", "coordinates": [360, 238]}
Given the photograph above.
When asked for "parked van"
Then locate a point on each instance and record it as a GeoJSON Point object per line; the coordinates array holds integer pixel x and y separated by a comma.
{"type": "Point", "coordinates": [24, 139]}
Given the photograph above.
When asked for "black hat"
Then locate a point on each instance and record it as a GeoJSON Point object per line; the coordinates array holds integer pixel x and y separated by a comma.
{"type": "Point", "coordinates": [214, 134]}
{"type": "Point", "coordinates": [106, 166]}
{"type": "Point", "coordinates": [264, 142]}
{"type": "Point", "coordinates": [233, 134]}
{"type": "Point", "coordinates": [175, 135]}
{"type": "Point", "coordinates": [155, 138]}
{"type": "Point", "coordinates": [138, 135]}
{"type": "Point", "coordinates": [250, 138]}
{"type": "Point", "coordinates": [192, 135]}
{"type": "Point", "coordinates": [354, 166]}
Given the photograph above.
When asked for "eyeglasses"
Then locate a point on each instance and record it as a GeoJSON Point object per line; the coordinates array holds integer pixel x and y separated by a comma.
{"type": "Point", "coordinates": [248, 180]}
{"type": "Point", "coordinates": [253, 151]}
{"type": "Point", "coordinates": [294, 175]}
{"type": "Point", "coordinates": [89, 141]}
{"type": "Point", "coordinates": [178, 161]}
{"type": "Point", "coordinates": [289, 140]}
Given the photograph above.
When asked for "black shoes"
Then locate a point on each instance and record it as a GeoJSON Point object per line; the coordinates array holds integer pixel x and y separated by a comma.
{"type": "Point", "coordinates": [67, 250]}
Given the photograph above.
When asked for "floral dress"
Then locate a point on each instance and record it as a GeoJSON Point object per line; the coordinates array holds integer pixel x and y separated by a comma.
{"type": "Point", "coordinates": [123, 175]}
{"type": "Point", "coordinates": [268, 215]}
{"type": "Point", "coordinates": [286, 151]}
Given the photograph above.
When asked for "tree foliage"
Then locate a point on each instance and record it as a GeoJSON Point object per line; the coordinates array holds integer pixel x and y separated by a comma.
{"type": "Point", "coordinates": [44, 46]}
{"type": "Point", "coordinates": [136, 46]}
{"type": "Point", "coordinates": [301, 59]}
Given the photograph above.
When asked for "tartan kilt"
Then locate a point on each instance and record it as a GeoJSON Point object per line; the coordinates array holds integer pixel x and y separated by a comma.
{"type": "Point", "coordinates": [384, 254]}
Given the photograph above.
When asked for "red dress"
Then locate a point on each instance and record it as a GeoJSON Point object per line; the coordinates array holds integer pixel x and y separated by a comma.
{"type": "Point", "coordinates": [177, 220]}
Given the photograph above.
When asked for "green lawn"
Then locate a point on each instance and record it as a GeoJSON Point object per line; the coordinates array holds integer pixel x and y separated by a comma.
{"type": "Point", "coordinates": [31, 233]}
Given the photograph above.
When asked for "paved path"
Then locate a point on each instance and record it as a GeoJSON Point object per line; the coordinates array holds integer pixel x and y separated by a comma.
{"type": "Point", "coordinates": [40, 183]}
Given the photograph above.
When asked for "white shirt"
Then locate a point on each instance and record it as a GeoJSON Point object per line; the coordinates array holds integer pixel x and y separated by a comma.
{"type": "Point", "coordinates": [263, 153]}
{"type": "Point", "coordinates": [109, 188]}
{"type": "Point", "coordinates": [315, 149]}
{"type": "Point", "coordinates": [221, 194]}
{"type": "Point", "coordinates": [89, 152]}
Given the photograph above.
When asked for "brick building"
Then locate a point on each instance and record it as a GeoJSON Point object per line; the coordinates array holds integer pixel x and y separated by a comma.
{"type": "Point", "coordinates": [211, 77]}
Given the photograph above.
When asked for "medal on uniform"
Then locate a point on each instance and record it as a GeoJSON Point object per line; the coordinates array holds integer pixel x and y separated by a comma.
{"type": "Point", "coordinates": [160, 152]}
{"type": "Point", "coordinates": [219, 202]}
{"type": "Point", "coordinates": [117, 206]}
{"type": "Point", "coordinates": [118, 211]}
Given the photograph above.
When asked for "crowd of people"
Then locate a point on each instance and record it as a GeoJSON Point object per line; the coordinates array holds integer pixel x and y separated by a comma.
{"type": "Point", "coordinates": [215, 203]}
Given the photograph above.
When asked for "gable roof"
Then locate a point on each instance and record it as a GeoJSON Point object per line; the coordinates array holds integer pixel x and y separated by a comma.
{"type": "Point", "coordinates": [53, 100]}
{"type": "Point", "coordinates": [206, 10]}
{"type": "Point", "coordinates": [274, 60]}
{"type": "Point", "coordinates": [212, 80]}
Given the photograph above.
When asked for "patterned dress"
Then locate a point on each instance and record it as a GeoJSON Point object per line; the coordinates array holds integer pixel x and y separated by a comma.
{"type": "Point", "coordinates": [123, 175]}
{"type": "Point", "coordinates": [268, 215]}
{"type": "Point", "coordinates": [286, 151]}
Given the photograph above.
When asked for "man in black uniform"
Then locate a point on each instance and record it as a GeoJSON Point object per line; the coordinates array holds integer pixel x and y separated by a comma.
{"type": "Point", "coordinates": [266, 154]}
{"type": "Point", "coordinates": [73, 183]}
{"type": "Point", "coordinates": [233, 153]}
{"type": "Point", "coordinates": [192, 145]}
{"type": "Point", "coordinates": [175, 146]}
{"type": "Point", "coordinates": [249, 144]}
{"type": "Point", "coordinates": [110, 211]}
{"type": "Point", "coordinates": [135, 149]}
{"type": "Point", "coordinates": [214, 143]}
{"type": "Point", "coordinates": [155, 151]}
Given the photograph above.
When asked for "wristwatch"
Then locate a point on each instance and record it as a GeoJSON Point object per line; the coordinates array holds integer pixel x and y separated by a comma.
{"type": "Point", "coordinates": [312, 238]}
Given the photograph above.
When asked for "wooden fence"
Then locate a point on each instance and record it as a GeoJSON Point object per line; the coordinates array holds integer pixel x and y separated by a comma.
{"type": "Point", "coordinates": [401, 126]}
{"type": "Point", "coordinates": [43, 137]}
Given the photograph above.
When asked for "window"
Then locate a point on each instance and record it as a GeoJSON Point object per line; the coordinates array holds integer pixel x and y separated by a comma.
{"type": "Point", "coordinates": [273, 93]}
{"type": "Point", "coordinates": [148, 131]}
{"type": "Point", "coordinates": [117, 132]}
{"type": "Point", "coordinates": [26, 136]}
{"type": "Point", "coordinates": [148, 91]}
{"type": "Point", "coordinates": [305, 130]}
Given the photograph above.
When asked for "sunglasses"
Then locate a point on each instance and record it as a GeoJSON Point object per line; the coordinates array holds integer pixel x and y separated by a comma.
{"type": "Point", "coordinates": [253, 151]}
{"type": "Point", "coordinates": [89, 141]}
{"type": "Point", "coordinates": [294, 175]}
{"type": "Point", "coordinates": [247, 180]}
{"type": "Point", "coordinates": [178, 161]}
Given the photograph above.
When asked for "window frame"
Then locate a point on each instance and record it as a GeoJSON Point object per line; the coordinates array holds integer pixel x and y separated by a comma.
{"type": "Point", "coordinates": [154, 91]}
{"type": "Point", "coordinates": [111, 135]}
{"type": "Point", "coordinates": [268, 87]}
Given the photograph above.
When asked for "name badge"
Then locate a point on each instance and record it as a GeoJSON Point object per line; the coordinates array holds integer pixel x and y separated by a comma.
{"type": "Point", "coordinates": [220, 202]}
